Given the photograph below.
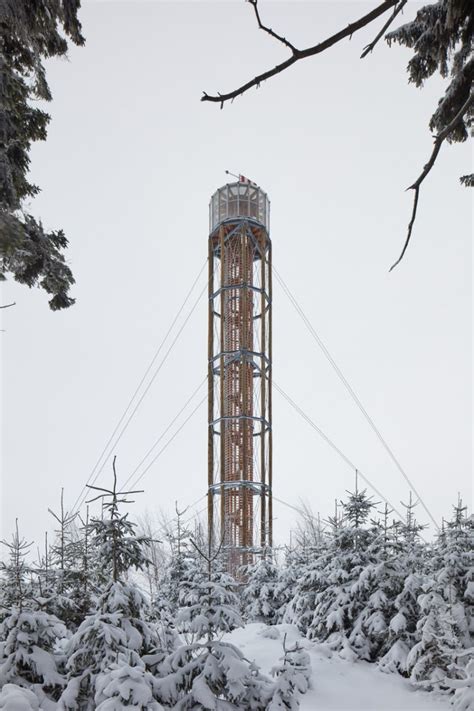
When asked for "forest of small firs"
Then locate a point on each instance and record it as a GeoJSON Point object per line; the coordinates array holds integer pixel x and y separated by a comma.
{"type": "Point", "coordinates": [113, 615]}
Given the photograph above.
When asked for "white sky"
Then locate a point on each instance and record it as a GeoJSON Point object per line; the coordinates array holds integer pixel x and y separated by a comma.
{"type": "Point", "coordinates": [131, 160]}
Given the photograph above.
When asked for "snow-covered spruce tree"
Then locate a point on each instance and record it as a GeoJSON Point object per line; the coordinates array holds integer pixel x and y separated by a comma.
{"type": "Point", "coordinates": [402, 628]}
{"type": "Point", "coordinates": [15, 587]}
{"type": "Point", "coordinates": [126, 686]}
{"type": "Point", "coordinates": [28, 657]}
{"type": "Point", "coordinates": [289, 575]}
{"type": "Point", "coordinates": [260, 598]}
{"type": "Point", "coordinates": [182, 566]}
{"type": "Point", "coordinates": [293, 676]}
{"type": "Point", "coordinates": [206, 672]}
{"type": "Point", "coordinates": [63, 574]}
{"type": "Point", "coordinates": [432, 660]}
{"type": "Point", "coordinates": [376, 588]}
{"type": "Point", "coordinates": [28, 635]}
{"type": "Point", "coordinates": [340, 599]}
{"type": "Point", "coordinates": [443, 627]}
{"type": "Point", "coordinates": [309, 581]}
{"type": "Point", "coordinates": [118, 629]}
{"type": "Point", "coordinates": [453, 571]}
{"type": "Point", "coordinates": [167, 635]}
{"type": "Point", "coordinates": [304, 563]}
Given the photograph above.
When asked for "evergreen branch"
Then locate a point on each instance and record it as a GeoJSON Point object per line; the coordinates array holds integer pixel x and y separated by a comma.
{"type": "Point", "coordinates": [439, 140]}
{"type": "Point", "coordinates": [369, 48]}
{"type": "Point", "coordinates": [134, 491]}
{"type": "Point", "coordinates": [100, 496]}
{"type": "Point", "coordinates": [65, 520]}
{"type": "Point", "coordinates": [298, 54]}
{"type": "Point", "coordinates": [99, 488]}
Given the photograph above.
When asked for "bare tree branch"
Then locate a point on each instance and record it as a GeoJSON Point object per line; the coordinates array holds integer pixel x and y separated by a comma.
{"type": "Point", "coordinates": [298, 54]}
{"type": "Point", "coordinates": [269, 31]}
{"type": "Point", "coordinates": [7, 306]}
{"type": "Point", "coordinates": [440, 138]}
{"type": "Point", "coordinates": [369, 48]}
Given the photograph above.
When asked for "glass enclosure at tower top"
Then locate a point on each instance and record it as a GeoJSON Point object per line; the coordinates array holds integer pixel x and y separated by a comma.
{"type": "Point", "coordinates": [242, 199]}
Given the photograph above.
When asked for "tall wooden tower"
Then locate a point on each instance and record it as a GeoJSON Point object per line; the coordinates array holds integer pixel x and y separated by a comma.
{"type": "Point", "coordinates": [240, 373]}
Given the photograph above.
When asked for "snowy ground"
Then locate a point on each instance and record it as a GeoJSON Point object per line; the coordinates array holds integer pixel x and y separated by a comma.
{"type": "Point", "coordinates": [338, 685]}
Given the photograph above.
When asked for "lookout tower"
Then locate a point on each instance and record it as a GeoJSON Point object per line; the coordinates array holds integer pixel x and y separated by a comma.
{"type": "Point", "coordinates": [240, 372]}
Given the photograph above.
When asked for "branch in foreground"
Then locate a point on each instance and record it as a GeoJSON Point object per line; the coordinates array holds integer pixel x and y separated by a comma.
{"type": "Point", "coordinates": [298, 54]}
{"type": "Point", "coordinates": [440, 138]}
{"type": "Point", "coordinates": [369, 48]}
{"type": "Point", "coordinates": [268, 30]}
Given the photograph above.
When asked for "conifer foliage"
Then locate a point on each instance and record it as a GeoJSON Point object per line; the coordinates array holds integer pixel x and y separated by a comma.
{"type": "Point", "coordinates": [207, 672]}
{"type": "Point", "coordinates": [29, 33]}
{"type": "Point", "coordinates": [28, 635]}
{"type": "Point", "coordinates": [343, 592]}
{"type": "Point", "coordinates": [28, 657]}
{"type": "Point", "coordinates": [375, 591]}
{"type": "Point", "coordinates": [403, 560]}
{"type": "Point", "coordinates": [117, 630]}
{"type": "Point", "coordinates": [261, 599]}
{"type": "Point", "coordinates": [365, 587]}
{"type": "Point", "coordinates": [293, 678]}
{"type": "Point", "coordinates": [441, 37]}
{"type": "Point", "coordinates": [15, 698]}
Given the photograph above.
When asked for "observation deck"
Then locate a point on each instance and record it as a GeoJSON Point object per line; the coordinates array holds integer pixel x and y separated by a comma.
{"type": "Point", "coordinates": [237, 200]}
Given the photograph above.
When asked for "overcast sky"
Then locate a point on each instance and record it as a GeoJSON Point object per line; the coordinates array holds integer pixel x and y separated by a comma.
{"type": "Point", "coordinates": [131, 160]}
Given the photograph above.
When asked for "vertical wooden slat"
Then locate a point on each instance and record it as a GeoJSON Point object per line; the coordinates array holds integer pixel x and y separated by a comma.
{"type": "Point", "coordinates": [210, 395]}
{"type": "Point", "coordinates": [222, 424]}
{"type": "Point", "coordinates": [270, 369]}
{"type": "Point", "coordinates": [263, 407]}
{"type": "Point", "coordinates": [243, 385]}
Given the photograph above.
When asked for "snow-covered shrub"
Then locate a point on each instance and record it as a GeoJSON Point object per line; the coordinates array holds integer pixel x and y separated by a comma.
{"type": "Point", "coordinates": [15, 698]}
{"type": "Point", "coordinates": [288, 577]}
{"type": "Point", "coordinates": [126, 686]}
{"type": "Point", "coordinates": [293, 676]}
{"type": "Point", "coordinates": [16, 582]}
{"type": "Point", "coordinates": [464, 695]}
{"type": "Point", "coordinates": [311, 580]}
{"type": "Point", "coordinates": [389, 603]}
{"type": "Point", "coordinates": [343, 592]}
{"type": "Point", "coordinates": [432, 660]}
{"type": "Point", "coordinates": [117, 629]}
{"type": "Point", "coordinates": [260, 599]}
{"type": "Point", "coordinates": [206, 671]}
{"type": "Point", "coordinates": [200, 675]}
{"type": "Point", "coordinates": [453, 571]}
{"type": "Point", "coordinates": [163, 624]}
{"type": "Point", "coordinates": [28, 658]}
{"type": "Point", "coordinates": [181, 568]}
{"type": "Point", "coordinates": [409, 559]}
{"type": "Point", "coordinates": [444, 625]}
{"type": "Point", "coordinates": [401, 635]}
